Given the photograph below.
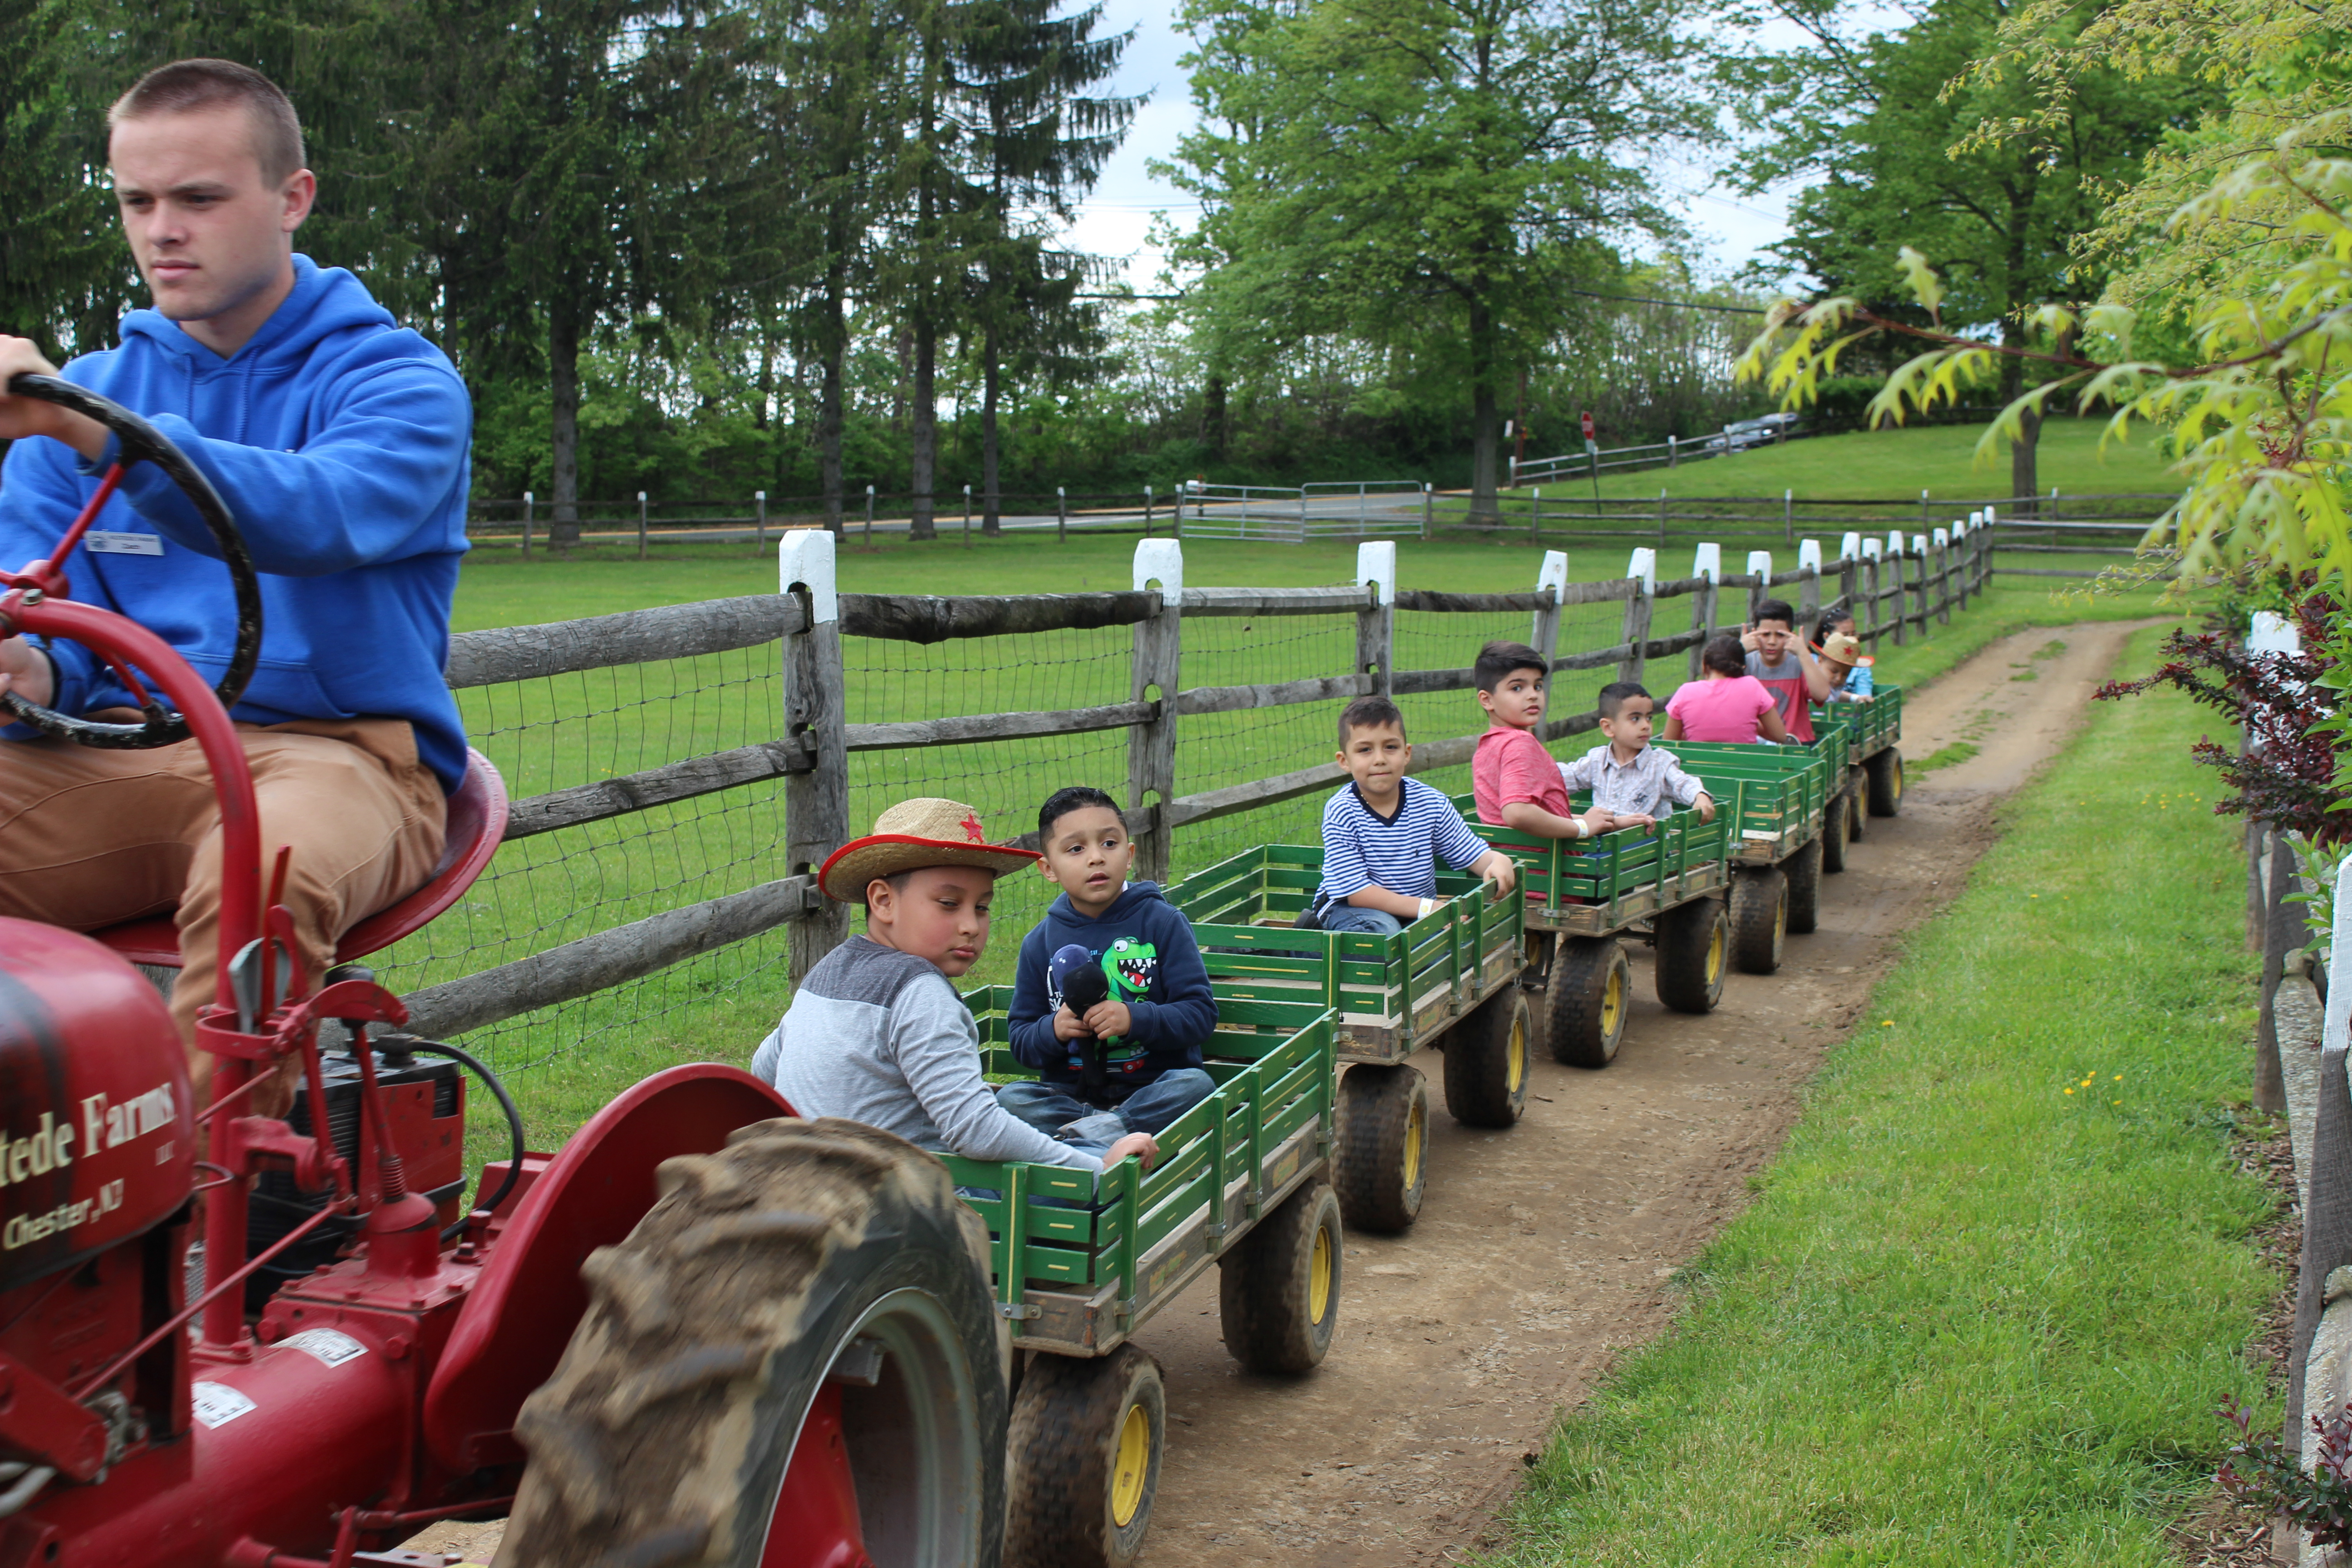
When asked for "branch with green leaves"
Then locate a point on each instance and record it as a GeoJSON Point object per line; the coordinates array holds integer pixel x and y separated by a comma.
{"type": "Point", "coordinates": [2262, 425]}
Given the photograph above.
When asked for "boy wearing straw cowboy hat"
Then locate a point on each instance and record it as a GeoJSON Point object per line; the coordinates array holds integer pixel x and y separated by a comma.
{"type": "Point", "coordinates": [877, 1033]}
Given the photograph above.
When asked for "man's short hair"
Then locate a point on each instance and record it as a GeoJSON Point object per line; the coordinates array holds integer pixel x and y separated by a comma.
{"type": "Point", "coordinates": [1499, 661]}
{"type": "Point", "coordinates": [188, 86]}
{"type": "Point", "coordinates": [1613, 696]}
{"type": "Point", "coordinates": [1368, 713]}
{"type": "Point", "coordinates": [1725, 654]}
{"type": "Point", "coordinates": [1062, 801]}
{"type": "Point", "coordinates": [1778, 610]}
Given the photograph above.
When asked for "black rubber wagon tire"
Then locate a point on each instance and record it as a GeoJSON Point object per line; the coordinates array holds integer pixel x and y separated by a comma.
{"type": "Point", "coordinates": [815, 1278]}
{"type": "Point", "coordinates": [1857, 789]}
{"type": "Point", "coordinates": [1694, 956]}
{"type": "Point", "coordinates": [1380, 1167]}
{"type": "Point", "coordinates": [1278, 1288]}
{"type": "Point", "coordinates": [1837, 831]}
{"type": "Point", "coordinates": [1760, 918]}
{"type": "Point", "coordinates": [1087, 1436]}
{"type": "Point", "coordinates": [1486, 1061]}
{"type": "Point", "coordinates": [1591, 983]}
{"type": "Point", "coordinates": [1885, 777]}
{"type": "Point", "coordinates": [1803, 872]}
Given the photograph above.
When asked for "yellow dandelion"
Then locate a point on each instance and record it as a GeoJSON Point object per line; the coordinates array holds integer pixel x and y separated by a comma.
{"type": "Point", "coordinates": [2070, 1091]}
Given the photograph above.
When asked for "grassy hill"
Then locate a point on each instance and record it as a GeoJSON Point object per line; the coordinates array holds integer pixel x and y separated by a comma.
{"type": "Point", "coordinates": [1899, 463]}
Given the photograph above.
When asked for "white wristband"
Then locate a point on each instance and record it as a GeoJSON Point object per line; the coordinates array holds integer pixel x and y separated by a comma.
{"type": "Point", "coordinates": [1426, 906]}
{"type": "Point", "coordinates": [1583, 828]}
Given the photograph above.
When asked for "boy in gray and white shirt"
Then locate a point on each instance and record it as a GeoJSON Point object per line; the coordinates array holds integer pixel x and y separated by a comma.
{"type": "Point", "coordinates": [877, 1033]}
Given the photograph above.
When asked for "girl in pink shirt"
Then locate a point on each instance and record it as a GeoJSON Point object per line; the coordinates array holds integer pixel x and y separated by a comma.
{"type": "Point", "coordinates": [1727, 704]}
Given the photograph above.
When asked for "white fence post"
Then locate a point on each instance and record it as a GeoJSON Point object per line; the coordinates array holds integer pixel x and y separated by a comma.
{"type": "Point", "coordinates": [1642, 579]}
{"type": "Point", "coordinates": [1158, 676]}
{"type": "Point", "coordinates": [1376, 563]}
{"type": "Point", "coordinates": [817, 798]}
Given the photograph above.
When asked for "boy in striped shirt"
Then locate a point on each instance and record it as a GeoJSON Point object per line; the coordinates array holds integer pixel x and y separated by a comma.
{"type": "Point", "coordinates": [1383, 832]}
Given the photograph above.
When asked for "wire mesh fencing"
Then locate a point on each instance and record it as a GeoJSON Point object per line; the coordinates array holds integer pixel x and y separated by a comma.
{"type": "Point", "coordinates": [651, 763]}
{"type": "Point", "coordinates": [577, 728]}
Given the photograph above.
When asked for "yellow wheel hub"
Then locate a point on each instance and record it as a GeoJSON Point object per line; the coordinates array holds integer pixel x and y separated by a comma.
{"type": "Point", "coordinates": [1133, 1467]}
{"type": "Point", "coordinates": [1715, 952]}
{"type": "Point", "coordinates": [1319, 1277]}
{"type": "Point", "coordinates": [1516, 1059]}
{"type": "Point", "coordinates": [1416, 1138]}
{"type": "Point", "coordinates": [1613, 1002]}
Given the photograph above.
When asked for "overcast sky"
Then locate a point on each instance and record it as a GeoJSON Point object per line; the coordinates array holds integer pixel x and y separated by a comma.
{"type": "Point", "coordinates": [1733, 229]}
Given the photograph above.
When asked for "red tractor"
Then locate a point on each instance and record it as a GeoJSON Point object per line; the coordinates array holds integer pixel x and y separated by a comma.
{"type": "Point", "coordinates": [702, 1332]}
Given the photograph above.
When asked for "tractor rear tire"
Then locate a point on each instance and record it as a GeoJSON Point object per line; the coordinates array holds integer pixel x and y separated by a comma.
{"type": "Point", "coordinates": [1836, 831]}
{"type": "Point", "coordinates": [1590, 984]}
{"type": "Point", "coordinates": [1087, 1436]}
{"type": "Point", "coordinates": [1694, 956]}
{"type": "Point", "coordinates": [1885, 775]}
{"type": "Point", "coordinates": [1760, 918]}
{"type": "Point", "coordinates": [1279, 1287]}
{"type": "Point", "coordinates": [799, 1337]}
{"type": "Point", "coordinates": [1803, 871]}
{"type": "Point", "coordinates": [1381, 1165]}
{"type": "Point", "coordinates": [1857, 786]}
{"type": "Point", "coordinates": [1486, 1061]}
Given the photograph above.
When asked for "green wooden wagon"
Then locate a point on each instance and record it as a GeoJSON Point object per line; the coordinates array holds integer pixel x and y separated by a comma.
{"type": "Point", "coordinates": [1874, 765]}
{"type": "Point", "coordinates": [1786, 794]}
{"type": "Point", "coordinates": [1665, 884]}
{"type": "Point", "coordinates": [1449, 977]}
{"type": "Point", "coordinates": [1242, 1181]}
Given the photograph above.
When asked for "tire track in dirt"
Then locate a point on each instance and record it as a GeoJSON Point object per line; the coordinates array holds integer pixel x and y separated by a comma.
{"type": "Point", "coordinates": [1542, 1252]}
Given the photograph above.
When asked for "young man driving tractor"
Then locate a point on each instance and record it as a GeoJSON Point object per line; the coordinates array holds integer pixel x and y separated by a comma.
{"type": "Point", "coordinates": [340, 443]}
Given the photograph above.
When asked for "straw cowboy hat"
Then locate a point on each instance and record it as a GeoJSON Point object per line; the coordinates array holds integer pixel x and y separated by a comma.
{"type": "Point", "coordinates": [1841, 648]}
{"type": "Point", "coordinates": [911, 834]}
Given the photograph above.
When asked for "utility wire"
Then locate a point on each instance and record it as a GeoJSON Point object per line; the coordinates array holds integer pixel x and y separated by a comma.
{"type": "Point", "coordinates": [1588, 293]}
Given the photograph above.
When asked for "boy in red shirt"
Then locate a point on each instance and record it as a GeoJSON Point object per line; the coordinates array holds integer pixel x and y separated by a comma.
{"type": "Point", "coordinates": [1779, 658]}
{"type": "Point", "coordinates": [1514, 780]}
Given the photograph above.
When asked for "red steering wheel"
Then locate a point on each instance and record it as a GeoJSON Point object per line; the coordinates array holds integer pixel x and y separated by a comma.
{"type": "Point", "coordinates": [138, 441]}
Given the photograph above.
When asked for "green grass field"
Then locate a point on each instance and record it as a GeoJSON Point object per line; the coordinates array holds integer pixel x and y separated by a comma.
{"type": "Point", "coordinates": [1993, 1287]}
{"type": "Point", "coordinates": [1898, 464]}
{"type": "Point", "coordinates": [553, 734]}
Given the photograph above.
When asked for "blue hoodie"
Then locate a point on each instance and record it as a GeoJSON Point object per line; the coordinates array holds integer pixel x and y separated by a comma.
{"type": "Point", "coordinates": [1148, 945]}
{"type": "Point", "coordinates": [340, 442]}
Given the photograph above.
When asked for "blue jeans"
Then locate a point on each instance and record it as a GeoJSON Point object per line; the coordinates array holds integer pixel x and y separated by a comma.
{"type": "Point", "coordinates": [1352, 918]}
{"type": "Point", "coordinates": [1052, 1110]}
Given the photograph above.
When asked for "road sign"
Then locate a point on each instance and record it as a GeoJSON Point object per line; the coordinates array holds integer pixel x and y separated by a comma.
{"type": "Point", "coordinates": [1586, 422]}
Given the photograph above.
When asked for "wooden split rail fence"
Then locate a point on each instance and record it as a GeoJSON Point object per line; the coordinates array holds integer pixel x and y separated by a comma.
{"type": "Point", "coordinates": [1894, 592]}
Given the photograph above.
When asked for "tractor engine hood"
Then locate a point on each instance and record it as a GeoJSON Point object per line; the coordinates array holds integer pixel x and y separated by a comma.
{"type": "Point", "coordinates": [98, 1132]}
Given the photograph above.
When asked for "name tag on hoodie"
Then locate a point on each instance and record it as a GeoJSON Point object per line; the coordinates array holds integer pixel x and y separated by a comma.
{"type": "Point", "coordinates": [101, 541]}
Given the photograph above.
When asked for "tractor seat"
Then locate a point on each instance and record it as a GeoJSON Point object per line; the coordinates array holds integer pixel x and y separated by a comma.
{"type": "Point", "coordinates": [476, 821]}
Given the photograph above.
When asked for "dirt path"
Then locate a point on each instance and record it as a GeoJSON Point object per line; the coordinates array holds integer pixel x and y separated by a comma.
{"type": "Point", "coordinates": [1542, 1251]}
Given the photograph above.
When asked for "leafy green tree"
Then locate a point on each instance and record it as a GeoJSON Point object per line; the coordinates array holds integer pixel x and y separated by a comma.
{"type": "Point", "coordinates": [1426, 174]}
{"type": "Point", "coordinates": [581, 167]}
{"type": "Point", "coordinates": [1041, 140]}
{"type": "Point", "coordinates": [1985, 176]}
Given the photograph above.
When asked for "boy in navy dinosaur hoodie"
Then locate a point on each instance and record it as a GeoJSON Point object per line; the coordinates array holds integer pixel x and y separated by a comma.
{"type": "Point", "coordinates": [1129, 1062]}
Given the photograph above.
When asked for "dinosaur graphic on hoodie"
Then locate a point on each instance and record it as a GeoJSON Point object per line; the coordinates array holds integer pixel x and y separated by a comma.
{"type": "Point", "coordinates": [1143, 950]}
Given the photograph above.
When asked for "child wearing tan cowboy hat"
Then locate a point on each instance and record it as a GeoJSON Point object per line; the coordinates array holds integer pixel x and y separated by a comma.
{"type": "Point", "coordinates": [1848, 666]}
{"type": "Point", "coordinates": [876, 1032]}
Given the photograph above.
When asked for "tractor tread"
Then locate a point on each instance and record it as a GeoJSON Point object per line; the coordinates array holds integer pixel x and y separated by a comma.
{"type": "Point", "coordinates": [1479, 1059]}
{"type": "Point", "coordinates": [1581, 1029]}
{"type": "Point", "coordinates": [688, 1375]}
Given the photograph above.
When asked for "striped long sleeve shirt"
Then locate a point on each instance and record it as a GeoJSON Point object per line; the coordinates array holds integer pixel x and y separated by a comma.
{"type": "Point", "coordinates": [1363, 850]}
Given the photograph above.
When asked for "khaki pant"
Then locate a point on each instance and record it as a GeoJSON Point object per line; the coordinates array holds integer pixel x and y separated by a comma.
{"type": "Point", "coordinates": [90, 838]}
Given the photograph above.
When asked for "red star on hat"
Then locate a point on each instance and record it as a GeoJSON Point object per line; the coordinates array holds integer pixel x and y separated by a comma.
{"type": "Point", "coordinates": [970, 825]}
